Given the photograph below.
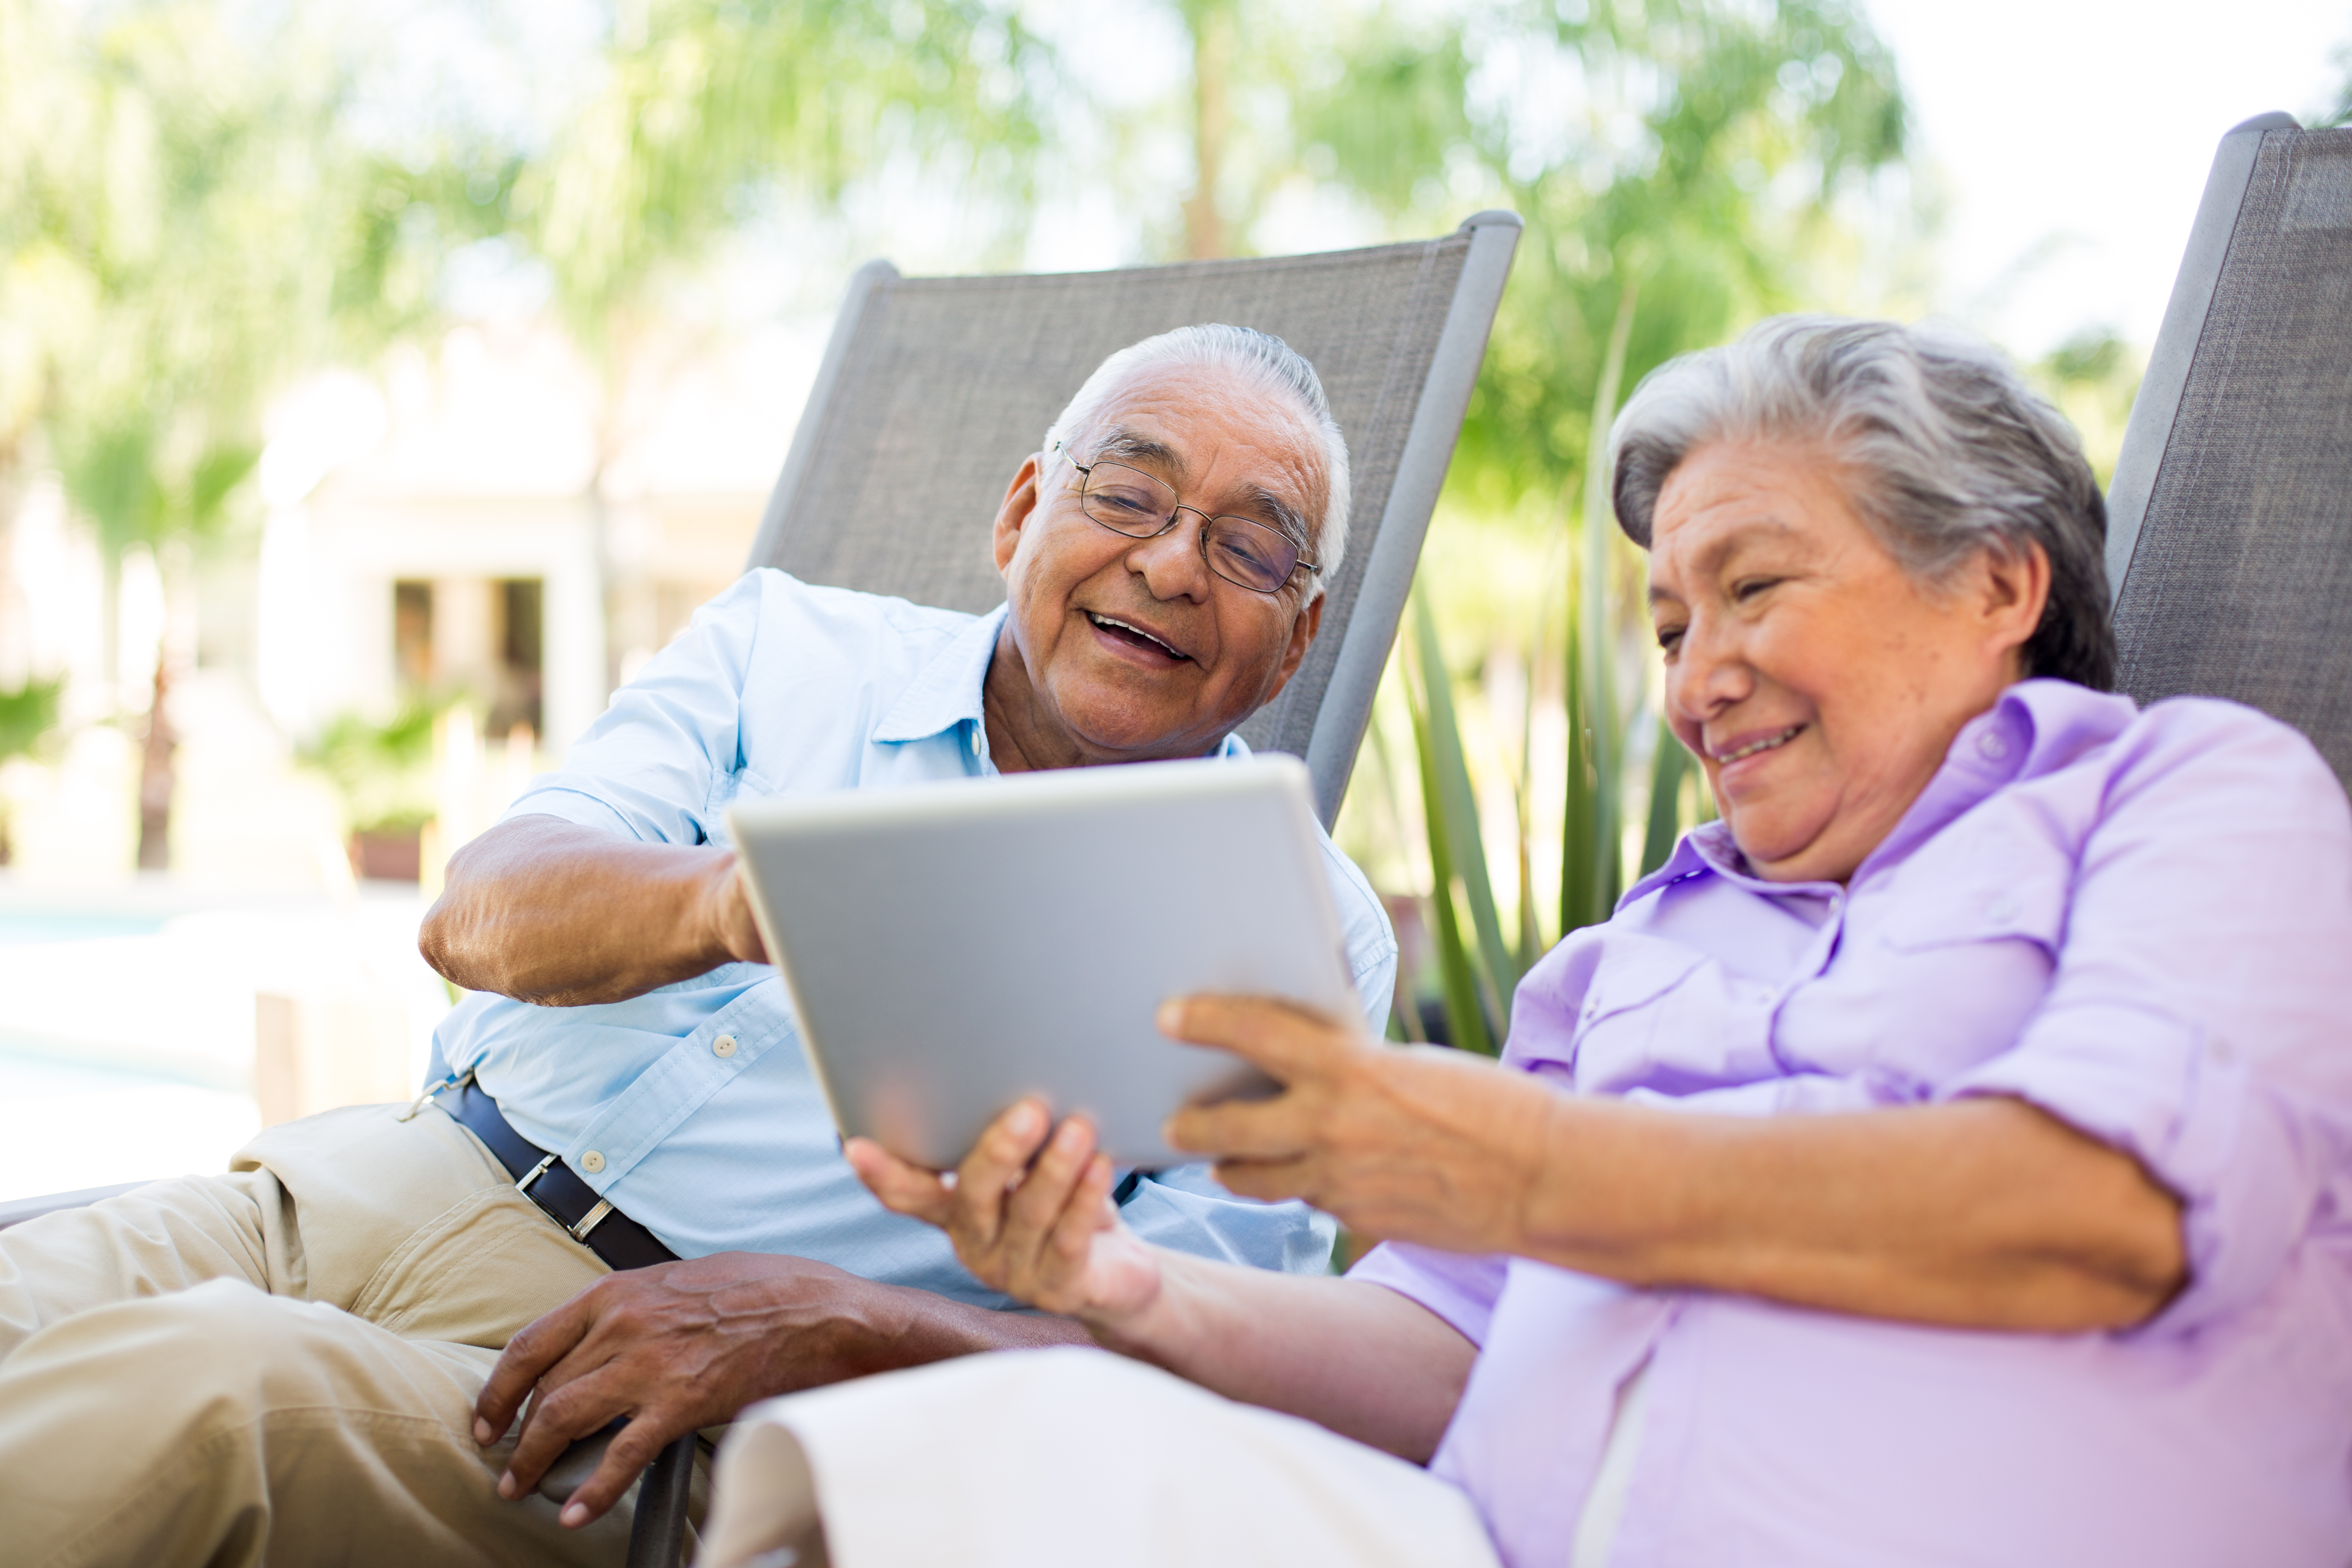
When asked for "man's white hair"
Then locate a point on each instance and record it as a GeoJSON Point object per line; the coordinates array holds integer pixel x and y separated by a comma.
{"type": "Point", "coordinates": [1260, 359]}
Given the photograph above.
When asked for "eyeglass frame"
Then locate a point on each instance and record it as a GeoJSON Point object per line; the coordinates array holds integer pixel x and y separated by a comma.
{"type": "Point", "coordinates": [1086, 477]}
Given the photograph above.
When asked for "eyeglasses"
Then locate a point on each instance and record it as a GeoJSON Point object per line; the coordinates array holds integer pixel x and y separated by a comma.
{"type": "Point", "coordinates": [1130, 501]}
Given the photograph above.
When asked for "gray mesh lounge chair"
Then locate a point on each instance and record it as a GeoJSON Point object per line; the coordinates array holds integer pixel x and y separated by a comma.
{"type": "Point", "coordinates": [933, 389]}
{"type": "Point", "coordinates": [2229, 520]}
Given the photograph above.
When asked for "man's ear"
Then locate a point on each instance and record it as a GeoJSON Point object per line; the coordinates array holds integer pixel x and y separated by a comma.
{"type": "Point", "coordinates": [1302, 636]}
{"type": "Point", "coordinates": [1020, 502]}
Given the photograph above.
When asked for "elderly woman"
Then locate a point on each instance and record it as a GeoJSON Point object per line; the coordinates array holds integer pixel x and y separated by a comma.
{"type": "Point", "coordinates": [1945, 1158]}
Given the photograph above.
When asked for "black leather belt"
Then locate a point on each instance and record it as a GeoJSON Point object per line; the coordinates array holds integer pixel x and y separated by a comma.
{"type": "Point", "coordinates": [548, 1181]}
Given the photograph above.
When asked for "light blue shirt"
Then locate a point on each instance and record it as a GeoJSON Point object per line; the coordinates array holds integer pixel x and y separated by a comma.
{"type": "Point", "coordinates": [781, 687]}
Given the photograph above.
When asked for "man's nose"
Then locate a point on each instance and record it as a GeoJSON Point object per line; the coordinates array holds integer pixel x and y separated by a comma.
{"type": "Point", "coordinates": [1173, 564]}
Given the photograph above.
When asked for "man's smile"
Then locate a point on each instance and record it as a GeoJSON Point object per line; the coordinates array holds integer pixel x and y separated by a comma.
{"type": "Point", "coordinates": [1129, 635]}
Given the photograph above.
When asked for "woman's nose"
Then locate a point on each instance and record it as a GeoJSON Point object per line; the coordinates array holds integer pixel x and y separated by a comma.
{"type": "Point", "coordinates": [1707, 676]}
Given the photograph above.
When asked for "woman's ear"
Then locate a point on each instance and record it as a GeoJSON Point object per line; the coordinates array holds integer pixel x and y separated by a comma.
{"type": "Point", "coordinates": [1020, 502]}
{"type": "Point", "coordinates": [2013, 591]}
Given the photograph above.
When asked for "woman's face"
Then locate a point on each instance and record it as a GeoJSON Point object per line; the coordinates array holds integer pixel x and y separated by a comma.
{"type": "Point", "coordinates": [1819, 685]}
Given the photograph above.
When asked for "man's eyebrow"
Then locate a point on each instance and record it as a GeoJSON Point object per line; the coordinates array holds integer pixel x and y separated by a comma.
{"type": "Point", "coordinates": [1285, 517]}
{"type": "Point", "coordinates": [1133, 446]}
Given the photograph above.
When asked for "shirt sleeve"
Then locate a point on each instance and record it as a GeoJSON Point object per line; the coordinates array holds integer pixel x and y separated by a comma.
{"type": "Point", "coordinates": [2201, 1011]}
{"type": "Point", "coordinates": [1364, 927]}
{"type": "Point", "coordinates": [1183, 1209]}
{"type": "Point", "coordinates": [1459, 1287]}
{"type": "Point", "coordinates": [650, 766]}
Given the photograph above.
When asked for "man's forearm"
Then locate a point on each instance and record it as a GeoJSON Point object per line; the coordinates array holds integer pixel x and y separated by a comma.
{"type": "Point", "coordinates": [928, 1328]}
{"type": "Point", "coordinates": [547, 912]}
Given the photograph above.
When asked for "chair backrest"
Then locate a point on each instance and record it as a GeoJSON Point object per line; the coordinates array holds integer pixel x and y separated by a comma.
{"type": "Point", "coordinates": [933, 390]}
{"type": "Point", "coordinates": [2229, 520]}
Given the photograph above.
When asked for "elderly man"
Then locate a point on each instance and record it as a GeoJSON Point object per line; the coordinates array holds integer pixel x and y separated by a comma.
{"type": "Point", "coordinates": [302, 1360]}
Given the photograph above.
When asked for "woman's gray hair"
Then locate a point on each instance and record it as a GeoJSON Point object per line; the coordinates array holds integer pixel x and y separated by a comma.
{"type": "Point", "coordinates": [1949, 453]}
{"type": "Point", "coordinates": [1260, 359]}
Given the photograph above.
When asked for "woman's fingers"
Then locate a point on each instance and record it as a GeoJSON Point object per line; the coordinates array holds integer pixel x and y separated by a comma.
{"type": "Point", "coordinates": [1273, 1129]}
{"type": "Point", "coordinates": [1281, 1037]}
{"type": "Point", "coordinates": [1034, 1207]}
{"type": "Point", "coordinates": [996, 1167]}
{"type": "Point", "coordinates": [903, 1188]}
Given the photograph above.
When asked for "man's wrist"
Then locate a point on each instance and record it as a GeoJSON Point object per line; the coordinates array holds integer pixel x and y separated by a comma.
{"type": "Point", "coordinates": [903, 1326]}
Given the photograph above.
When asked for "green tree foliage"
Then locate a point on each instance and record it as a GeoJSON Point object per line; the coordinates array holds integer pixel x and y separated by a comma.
{"type": "Point", "coordinates": [705, 113]}
{"type": "Point", "coordinates": [189, 224]}
{"type": "Point", "coordinates": [1681, 154]}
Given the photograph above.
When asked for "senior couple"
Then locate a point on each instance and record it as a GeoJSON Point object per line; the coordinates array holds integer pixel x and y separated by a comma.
{"type": "Point", "coordinates": [1945, 1158]}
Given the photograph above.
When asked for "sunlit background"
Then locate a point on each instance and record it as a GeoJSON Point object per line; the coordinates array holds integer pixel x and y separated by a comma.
{"type": "Point", "coordinates": [382, 383]}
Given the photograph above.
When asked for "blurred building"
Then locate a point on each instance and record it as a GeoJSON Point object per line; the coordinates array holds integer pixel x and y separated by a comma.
{"type": "Point", "coordinates": [491, 524]}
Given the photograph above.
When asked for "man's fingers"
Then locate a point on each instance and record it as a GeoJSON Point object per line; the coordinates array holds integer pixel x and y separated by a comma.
{"type": "Point", "coordinates": [903, 1188]}
{"type": "Point", "coordinates": [1279, 1036]}
{"type": "Point", "coordinates": [542, 1342]}
{"type": "Point", "coordinates": [633, 1447]}
{"type": "Point", "coordinates": [555, 1422]}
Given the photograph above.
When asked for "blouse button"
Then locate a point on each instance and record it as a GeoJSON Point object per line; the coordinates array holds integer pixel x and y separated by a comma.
{"type": "Point", "coordinates": [723, 1046]}
{"type": "Point", "coordinates": [591, 1161]}
{"type": "Point", "coordinates": [1991, 744]}
{"type": "Point", "coordinates": [2002, 908]}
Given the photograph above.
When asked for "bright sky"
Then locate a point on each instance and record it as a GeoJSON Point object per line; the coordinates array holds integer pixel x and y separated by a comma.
{"type": "Point", "coordinates": [2074, 136]}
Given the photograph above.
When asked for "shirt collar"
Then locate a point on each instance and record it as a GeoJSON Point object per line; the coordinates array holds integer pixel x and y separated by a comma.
{"type": "Point", "coordinates": [2032, 727]}
{"type": "Point", "coordinates": [948, 691]}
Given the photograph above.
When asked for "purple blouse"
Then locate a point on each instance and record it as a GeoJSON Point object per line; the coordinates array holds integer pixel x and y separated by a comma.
{"type": "Point", "coordinates": [2141, 922]}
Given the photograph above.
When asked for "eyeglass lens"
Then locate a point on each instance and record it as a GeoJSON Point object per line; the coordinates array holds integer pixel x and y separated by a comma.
{"type": "Point", "coordinates": [1128, 501]}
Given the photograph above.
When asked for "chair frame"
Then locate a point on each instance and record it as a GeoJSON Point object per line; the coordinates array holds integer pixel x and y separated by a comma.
{"type": "Point", "coordinates": [2148, 432]}
{"type": "Point", "coordinates": [657, 1531]}
{"type": "Point", "coordinates": [1345, 710]}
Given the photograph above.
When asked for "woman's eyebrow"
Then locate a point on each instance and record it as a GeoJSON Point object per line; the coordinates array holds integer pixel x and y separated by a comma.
{"type": "Point", "coordinates": [1721, 551]}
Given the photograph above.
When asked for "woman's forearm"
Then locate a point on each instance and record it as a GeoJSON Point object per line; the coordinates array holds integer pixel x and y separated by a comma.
{"type": "Point", "coordinates": [1356, 1358]}
{"type": "Point", "coordinates": [1982, 1213]}
{"type": "Point", "coordinates": [547, 912]}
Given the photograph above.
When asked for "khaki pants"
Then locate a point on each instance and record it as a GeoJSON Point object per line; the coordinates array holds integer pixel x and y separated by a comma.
{"type": "Point", "coordinates": [280, 1364]}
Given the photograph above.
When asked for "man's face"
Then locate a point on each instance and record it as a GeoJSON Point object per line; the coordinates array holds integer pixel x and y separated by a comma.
{"type": "Point", "coordinates": [1128, 649]}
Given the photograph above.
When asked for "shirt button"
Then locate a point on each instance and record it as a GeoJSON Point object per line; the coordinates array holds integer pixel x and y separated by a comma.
{"type": "Point", "coordinates": [724, 1046]}
{"type": "Point", "coordinates": [2003, 908]}
{"type": "Point", "coordinates": [1992, 745]}
{"type": "Point", "coordinates": [591, 1161]}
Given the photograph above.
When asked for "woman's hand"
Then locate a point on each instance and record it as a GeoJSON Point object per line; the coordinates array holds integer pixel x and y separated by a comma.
{"type": "Point", "coordinates": [1030, 1216]}
{"type": "Point", "coordinates": [1403, 1144]}
{"type": "Point", "coordinates": [1984, 1214]}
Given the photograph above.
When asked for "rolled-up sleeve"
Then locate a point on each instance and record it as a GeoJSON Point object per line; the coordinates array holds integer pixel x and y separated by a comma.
{"type": "Point", "coordinates": [1461, 1288]}
{"type": "Point", "coordinates": [650, 765]}
{"type": "Point", "coordinates": [2200, 1016]}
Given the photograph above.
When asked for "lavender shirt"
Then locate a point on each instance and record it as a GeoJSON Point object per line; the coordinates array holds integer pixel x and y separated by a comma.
{"type": "Point", "coordinates": [2141, 922]}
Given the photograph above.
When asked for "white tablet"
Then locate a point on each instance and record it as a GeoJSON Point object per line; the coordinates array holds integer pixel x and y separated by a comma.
{"type": "Point", "coordinates": [951, 947]}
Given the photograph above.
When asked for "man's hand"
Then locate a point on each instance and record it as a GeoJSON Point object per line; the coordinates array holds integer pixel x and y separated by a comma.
{"type": "Point", "coordinates": [685, 1345]}
{"type": "Point", "coordinates": [1030, 1216]}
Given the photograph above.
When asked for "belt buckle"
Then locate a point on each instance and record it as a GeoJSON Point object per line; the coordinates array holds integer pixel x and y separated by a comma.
{"type": "Point", "coordinates": [455, 1080]}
